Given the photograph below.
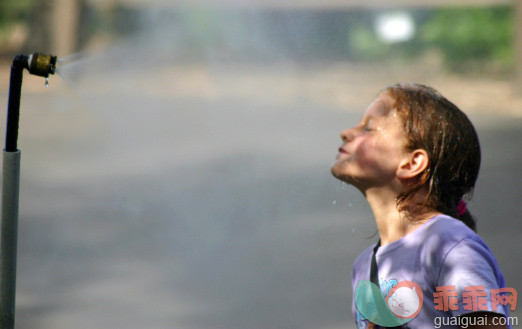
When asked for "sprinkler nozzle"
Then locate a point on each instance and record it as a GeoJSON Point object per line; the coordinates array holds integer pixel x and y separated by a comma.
{"type": "Point", "coordinates": [42, 64]}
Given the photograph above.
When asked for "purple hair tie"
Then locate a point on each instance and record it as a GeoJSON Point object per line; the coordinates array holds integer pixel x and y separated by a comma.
{"type": "Point", "coordinates": [461, 208]}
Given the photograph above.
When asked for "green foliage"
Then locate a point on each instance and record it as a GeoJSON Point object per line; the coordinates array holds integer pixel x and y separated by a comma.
{"type": "Point", "coordinates": [364, 44]}
{"type": "Point", "coordinates": [13, 11]}
{"type": "Point", "coordinates": [472, 37]}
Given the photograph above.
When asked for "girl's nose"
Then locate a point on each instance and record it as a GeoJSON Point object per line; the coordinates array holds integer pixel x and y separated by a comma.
{"type": "Point", "coordinates": [347, 135]}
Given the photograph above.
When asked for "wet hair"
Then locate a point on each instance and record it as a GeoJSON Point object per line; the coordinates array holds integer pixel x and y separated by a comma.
{"type": "Point", "coordinates": [438, 126]}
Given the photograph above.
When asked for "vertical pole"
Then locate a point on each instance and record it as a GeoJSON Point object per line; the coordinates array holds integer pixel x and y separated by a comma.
{"type": "Point", "coordinates": [9, 237]}
{"type": "Point", "coordinates": [517, 4]}
{"type": "Point", "coordinates": [41, 65]}
{"type": "Point", "coordinates": [10, 192]}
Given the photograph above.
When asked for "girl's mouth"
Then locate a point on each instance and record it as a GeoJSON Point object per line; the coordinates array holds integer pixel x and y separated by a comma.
{"type": "Point", "coordinates": [341, 150]}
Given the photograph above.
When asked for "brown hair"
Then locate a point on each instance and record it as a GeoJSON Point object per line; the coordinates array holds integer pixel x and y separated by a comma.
{"type": "Point", "coordinates": [435, 124]}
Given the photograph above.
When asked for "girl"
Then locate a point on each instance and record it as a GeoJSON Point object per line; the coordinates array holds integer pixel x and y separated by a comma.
{"type": "Point", "coordinates": [414, 156]}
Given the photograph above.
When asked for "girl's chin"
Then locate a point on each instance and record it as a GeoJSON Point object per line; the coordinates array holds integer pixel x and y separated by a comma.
{"type": "Point", "coordinates": [345, 178]}
{"type": "Point", "coordinates": [338, 170]}
{"type": "Point", "coordinates": [340, 175]}
{"type": "Point", "coordinates": [335, 170]}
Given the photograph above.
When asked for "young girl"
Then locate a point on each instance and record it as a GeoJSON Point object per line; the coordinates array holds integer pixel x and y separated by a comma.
{"type": "Point", "coordinates": [415, 156]}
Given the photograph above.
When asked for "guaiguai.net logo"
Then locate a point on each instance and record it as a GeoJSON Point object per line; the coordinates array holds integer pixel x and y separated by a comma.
{"type": "Point", "coordinates": [403, 303]}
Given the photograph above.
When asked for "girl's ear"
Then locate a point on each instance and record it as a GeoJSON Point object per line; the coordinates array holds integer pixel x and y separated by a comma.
{"type": "Point", "coordinates": [413, 164]}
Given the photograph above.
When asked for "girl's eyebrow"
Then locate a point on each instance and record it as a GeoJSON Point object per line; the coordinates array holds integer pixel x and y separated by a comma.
{"type": "Point", "coordinates": [366, 117]}
{"type": "Point", "coordinates": [366, 120]}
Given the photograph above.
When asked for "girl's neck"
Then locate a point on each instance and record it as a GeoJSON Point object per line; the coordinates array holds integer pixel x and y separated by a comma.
{"type": "Point", "coordinates": [394, 224]}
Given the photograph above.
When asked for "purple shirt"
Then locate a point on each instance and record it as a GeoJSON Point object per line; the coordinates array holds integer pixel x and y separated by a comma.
{"type": "Point", "coordinates": [442, 252]}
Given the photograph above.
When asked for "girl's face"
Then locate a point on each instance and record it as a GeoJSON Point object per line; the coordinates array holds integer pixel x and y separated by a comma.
{"type": "Point", "coordinates": [372, 151]}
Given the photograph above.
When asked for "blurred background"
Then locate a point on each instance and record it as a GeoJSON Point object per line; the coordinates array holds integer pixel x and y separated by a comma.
{"type": "Point", "coordinates": [175, 173]}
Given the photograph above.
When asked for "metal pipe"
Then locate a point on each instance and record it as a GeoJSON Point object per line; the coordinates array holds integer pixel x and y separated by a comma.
{"type": "Point", "coordinates": [37, 64]}
{"type": "Point", "coordinates": [13, 108]}
{"type": "Point", "coordinates": [41, 65]}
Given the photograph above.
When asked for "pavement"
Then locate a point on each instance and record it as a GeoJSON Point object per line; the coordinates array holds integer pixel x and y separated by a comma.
{"type": "Point", "coordinates": [209, 210]}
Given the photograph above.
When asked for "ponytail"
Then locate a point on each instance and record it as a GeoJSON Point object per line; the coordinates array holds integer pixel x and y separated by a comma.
{"type": "Point", "coordinates": [463, 214]}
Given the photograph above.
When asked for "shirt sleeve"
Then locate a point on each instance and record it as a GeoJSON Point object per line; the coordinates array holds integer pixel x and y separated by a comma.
{"type": "Point", "coordinates": [471, 267]}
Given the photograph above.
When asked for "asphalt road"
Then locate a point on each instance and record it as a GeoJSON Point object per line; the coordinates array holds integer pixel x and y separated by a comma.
{"type": "Point", "coordinates": [152, 212]}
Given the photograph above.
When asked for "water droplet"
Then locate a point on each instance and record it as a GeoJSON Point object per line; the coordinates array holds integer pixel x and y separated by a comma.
{"type": "Point", "coordinates": [46, 82]}
{"type": "Point", "coordinates": [349, 204]}
{"type": "Point", "coordinates": [343, 184]}
{"type": "Point", "coordinates": [334, 202]}
{"type": "Point", "coordinates": [353, 230]}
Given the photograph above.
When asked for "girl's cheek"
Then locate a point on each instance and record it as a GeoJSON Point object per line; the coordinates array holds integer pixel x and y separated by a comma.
{"type": "Point", "coordinates": [368, 147]}
{"type": "Point", "coordinates": [365, 155]}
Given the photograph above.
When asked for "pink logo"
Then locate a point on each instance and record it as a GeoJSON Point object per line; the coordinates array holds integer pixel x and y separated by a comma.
{"type": "Point", "coordinates": [474, 298]}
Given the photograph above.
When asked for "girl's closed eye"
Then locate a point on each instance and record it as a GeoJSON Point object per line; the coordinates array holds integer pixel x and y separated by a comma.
{"type": "Point", "coordinates": [369, 125]}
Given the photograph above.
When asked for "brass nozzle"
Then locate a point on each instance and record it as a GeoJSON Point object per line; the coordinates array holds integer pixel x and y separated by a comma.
{"type": "Point", "coordinates": [42, 64]}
